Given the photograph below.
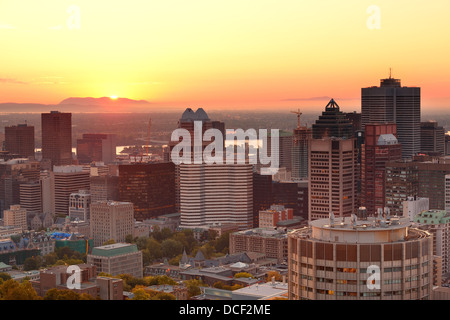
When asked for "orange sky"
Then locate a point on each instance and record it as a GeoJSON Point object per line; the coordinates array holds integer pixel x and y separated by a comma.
{"type": "Point", "coordinates": [222, 54]}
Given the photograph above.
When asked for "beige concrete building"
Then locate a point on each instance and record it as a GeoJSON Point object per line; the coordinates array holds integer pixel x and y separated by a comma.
{"type": "Point", "coordinates": [16, 217]}
{"type": "Point", "coordinates": [372, 259]}
{"type": "Point", "coordinates": [67, 180]}
{"type": "Point", "coordinates": [118, 258]}
{"type": "Point", "coordinates": [270, 217]}
{"type": "Point", "coordinates": [272, 243]}
{"type": "Point", "coordinates": [111, 220]}
{"type": "Point", "coordinates": [332, 165]}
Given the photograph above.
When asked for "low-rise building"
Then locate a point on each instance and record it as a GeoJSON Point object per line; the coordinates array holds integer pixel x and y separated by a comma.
{"type": "Point", "coordinates": [270, 217]}
{"type": "Point", "coordinates": [272, 243]}
{"type": "Point", "coordinates": [180, 292]}
{"type": "Point", "coordinates": [118, 258]}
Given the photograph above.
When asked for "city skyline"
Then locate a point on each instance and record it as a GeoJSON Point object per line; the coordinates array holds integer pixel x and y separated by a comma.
{"type": "Point", "coordinates": [218, 56]}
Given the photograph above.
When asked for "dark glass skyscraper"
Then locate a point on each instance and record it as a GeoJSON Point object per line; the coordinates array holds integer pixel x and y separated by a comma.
{"type": "Point", "coordinates": [332, 123]}
{"type": "Point", "coordinates": [390, 102]}
{"type": "Point", "coordinates": [20, 140]}
{"type": "Point", "coordinates": [57, 137]}
{"type": "Point", "coordinates": [150, 187]}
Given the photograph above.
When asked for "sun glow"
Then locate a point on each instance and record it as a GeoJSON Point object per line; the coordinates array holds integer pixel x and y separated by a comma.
{"type": "Point", "coordinates": [113, 97]}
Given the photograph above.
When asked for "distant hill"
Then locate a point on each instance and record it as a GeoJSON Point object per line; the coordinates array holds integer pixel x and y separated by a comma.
{"type": "Point", "coordinates": [11, 107]}
{"type": "Point", "coordinates": [76, 104]}
{"type": "Point", "coordinates": [103, 101]}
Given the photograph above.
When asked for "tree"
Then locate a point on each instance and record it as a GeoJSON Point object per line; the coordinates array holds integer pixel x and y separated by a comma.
{"type": "Point", "coordinates": [4, 276]}
{"type": "Point", "coordinates": [32, 263]}
{"type": "Point", "coordinates": [139, 293]}
{"type": "Point", "coordinates": [154, 249]}
{"type": "Point", "coordinates": [65, 294]}
{"type": "Point", "coordinates": [222, 243]}
{"type": "Point", "coordinates": [193, 287]}
{"type": "Point", "coordinates": [110, 241]}
{"type": "Point", "coordinates": [163, 296]}
{"type": "Point", "coordinates": [159, 280]}
{"type": "Point", "coordinates": [129, 238]}
{"type": "Point", "coordinates": [50, 259]}
{"type": "Point", "coordinates": [13, 290]}
{"type": "Point", "coordinates": [171, 248]}
{"type": "Point", "coordinates": [243, 275]}
{"type": "Point", "coordinates": [272, 274]}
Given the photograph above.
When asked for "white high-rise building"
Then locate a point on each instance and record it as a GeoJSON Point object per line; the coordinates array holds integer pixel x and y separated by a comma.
{"type": "Point", "coordinates": [218, 193]}
{"type": "Point", "coordinates": [111, 220]}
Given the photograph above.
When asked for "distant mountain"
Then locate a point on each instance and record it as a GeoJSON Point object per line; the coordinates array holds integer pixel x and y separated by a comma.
{"type": "Point", "coordinates": [103, 101]}
{"type": "Point", "coordinates": [11, 107]}
{"type": "Point", "coordinates": [75, 104]}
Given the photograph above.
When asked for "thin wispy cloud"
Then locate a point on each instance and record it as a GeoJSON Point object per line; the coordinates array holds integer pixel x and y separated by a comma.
{"type": "Point", "coordinates": [10, 80]}
{"type": "Point", "coordinates": [7, 26]}
{"type": "Point", "coordinates": [318, 99]}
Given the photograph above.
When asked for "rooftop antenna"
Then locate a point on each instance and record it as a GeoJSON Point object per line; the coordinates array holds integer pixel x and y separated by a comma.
{"type": "Point", "coordinates": [390, 73]}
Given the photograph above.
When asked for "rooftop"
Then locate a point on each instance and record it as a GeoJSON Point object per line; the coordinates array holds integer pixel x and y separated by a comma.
{"type": "Point", "coordinates": [191, 115]}
{"type": "Point", "coordinates": [371, 224]}
{"type": "Point", "coordinates": [432, 217]}
{"type": "Point", "coordinates": [352, 230]}
{"type": "Point", "coordinates": [261, 291]}
{"type": "Point", "coordinates": [115, 249]}
{"type": "Point", "coordinates": [262, 232]}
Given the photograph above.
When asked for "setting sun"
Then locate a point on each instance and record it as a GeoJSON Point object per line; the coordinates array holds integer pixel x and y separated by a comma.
{"type": "Point", "coordinates": [113, 97]}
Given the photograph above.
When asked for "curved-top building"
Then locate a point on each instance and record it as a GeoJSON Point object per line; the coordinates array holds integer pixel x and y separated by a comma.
{"type": "Point", "coordinates": [351, 259]}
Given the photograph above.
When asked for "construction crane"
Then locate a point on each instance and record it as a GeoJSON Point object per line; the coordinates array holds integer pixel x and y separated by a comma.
{"type": "Point", "coordinates": [298, 113]}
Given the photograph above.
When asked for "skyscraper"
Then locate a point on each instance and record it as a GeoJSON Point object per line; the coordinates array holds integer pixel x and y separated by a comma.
{"type": "Point", "coordinates": [401, 183]}
{"type": "Point", "coordinates": [187, 122]}
{"type": "Point", "coordinates": [68, 179]}
{"type": "Point", "coordinates": [211, 194]}
{"type": "Point", "coordinates": [332, 166]}
{"type": "Point", "coordinates": [96, 147]}
{"type": "Point", "coordinates": [432, 138]}
{"type": "Point", "coordinates": [20, 140]}
{"type": "Point", "coordinates": [390, 102]}
{"type": "Point", "coordinates": [150, 187]}
{"type": "Point", "coordinates": [332, 123]}
{"type": "Point", "coordinates": [447, 193]}
{"type": "Point", "coordinates": [381, 146]}
{"type": "Point", "coordinates": [299, 152]}
{"type": "Point", "coordinates": [111, 220]}
{"type": "Point", "coordinates": [13, 173]}
{"type": "Point", "coordinates": [57, 137]}
{"type": "Point", "coordinates": [332, 177]}
{"type": "Point", "coordinates": [104, 188]}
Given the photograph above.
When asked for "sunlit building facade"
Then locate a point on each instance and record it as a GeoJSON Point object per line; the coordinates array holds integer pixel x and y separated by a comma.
{"type": "Point", "coordinates": [353, 259]}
